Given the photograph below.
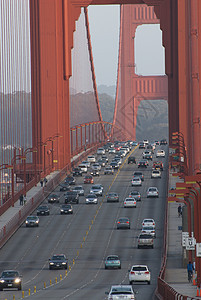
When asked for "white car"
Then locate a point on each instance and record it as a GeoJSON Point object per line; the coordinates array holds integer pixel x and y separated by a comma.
{"type": "Point", "coordinates": [136, 181]}
{"type": "Point", "coordinates": [83, 168]}
{"type": "Point", "coordinates": [86, 163]}
{"type": "Point", "coordinates": [100, 151]}
{"type": "Point", "coordinates": [156, 174]}
{"type": "Point", "coordinates": [139, 273]}
{"type": "Point", "coordinates": [148, 222]}
{"type": "Point", "coordinates": [150, 230]}
{"type": "Point", "coordinates": [96, 189]}
{"type": "Point", "coordinates": [152, 192]}
{"type": "Point", "coordinates": [118, 292]}
{"type": "Point", "coordinates": [79, 189]}
{"type": "Point", "coordinates": [130, 202]}
{"type": "Point", "coordinates": [160, 153]}
{"type": "Point", "coordinates": [146, 142]}
{"type": "Point", "coordinates": [91, 158]}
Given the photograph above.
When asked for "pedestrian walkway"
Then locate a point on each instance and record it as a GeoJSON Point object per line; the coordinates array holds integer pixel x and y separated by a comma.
{"type": "Point", "coordinates": [176, 275]}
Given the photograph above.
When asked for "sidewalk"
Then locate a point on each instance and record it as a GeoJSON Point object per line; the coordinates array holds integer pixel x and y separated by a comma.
{"type": "Point", "coordinates": [175, 275]}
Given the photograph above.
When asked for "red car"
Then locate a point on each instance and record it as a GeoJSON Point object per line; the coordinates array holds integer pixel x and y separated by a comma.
{"type": "Point", "coordinates": [88, 179]}
{"type": "Point", "coordinates": [157, 165]}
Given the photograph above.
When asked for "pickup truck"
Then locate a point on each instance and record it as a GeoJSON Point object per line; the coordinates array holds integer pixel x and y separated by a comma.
{"type": "Point", "coordinates": [71, 197]}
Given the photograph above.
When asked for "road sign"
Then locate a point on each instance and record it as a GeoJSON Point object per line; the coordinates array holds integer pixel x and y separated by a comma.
{"type": "Point", "coordinates": [184, 236]}
{"type": "Point", "coordinates": [190, 243]}
{"type": "Point", "coordinates": [198, 249]}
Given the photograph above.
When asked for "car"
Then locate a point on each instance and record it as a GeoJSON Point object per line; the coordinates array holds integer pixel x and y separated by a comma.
{"type": "Point", "coordinates": [130, 202]}
{"type": "Point", "coordinates": [95, 173]}
{"type": "Point", "coordinates": [141, 145]}
{"type": "Point", "coordinates": [118, 160]}
{"type": "Point", "coordinates": [64, 187]}
{"type": "Point", "coordinates": [10, 279]}
{"type": "Point", "coordinates": [91, 159]}
{"type": "Point", "coordinates": [146, 142]}
{"type": "Point", "coordinates": [139, 273]}
{"type": "Point", "coordinates": [70, 180]}
{"type": "Point", "coordinates": [53, 198]}
{"type": "Point", "coordinates": [84, 167]}
{"type": "Point", "coordinates": [160, 153]}
{"type": "Point", "coordinates": [112, 197]}
{"type": "Point", "coordinates": [150, 230]}
{"type": "Point", "coordinates": [123, 223]}
{"type": "Point", "coordinates": [152, 192]}
{"type": "Point", "coordinates": [148, 222]}
{"type": "Point", "coordinates": [157, 143]}
{"type": "Point", "coordinates": [145, 240]}
{"type": "Point", "coordinates": [32, 221]}
{"type": "Point", "coordinates": [91, 199]}
{"type": "Point", "coordinates": [85, 163]}
{"type": "Point", "coordinates": [101, 162]}
{"type": "Point", "coordinates": [157, 165]}
{"type": "Point", "coordinates": [136, 195]}
{"type": "Point", "coordinates": [146, 152]}
{"type": "Point", "coordinates": [96, 166]}
{"type": "Point", "coordinates": [112, 151]}
{"type": "Point", "coordinates": [114, 165]}
{"type": "Point", "coordinates": [142, 164]}
{"type": "Point", "coordinates": [138, 174]}
{"type": "Point", "coordinates": [100, 185]}
{"type": "Point", "coordinates": [163, 142]}
{"type": "Point", "coordinates": [58, 261]}
{"type": "Point", "coordinates": [97, 190]}
{"type": "Point", "coordinates": [100, 151]}
{"type": "Point", "coordinates": [150, 148]}
{"type": "Point", "coordinates": [134, 143]}
{"type": "Point", "coordinates": [77, 171]}
{"type": "Point", "coordinates": [71, 197]}
{"type": "Point", "coordinates": [79, 189]}
{"type": "Point", "coordinates": [105, 158]}
{"type": "Point", "coordinates": [136, 181]}
{"type": "Point", "coordinates": [43, 210]}
{"type": "Point", "coordinates": [122, 153]}
{"type": "Point", "coordinates": [88, 179]}
{"type": "Point", "coordinates": [156, 174]}
{"type": "Point", "coordinates": [118, 292]}
{"type": "Point", "coordinates": [148, 156]}
{"type": "Point", "coordinates": [112, 261]}
{"type": "Point", "coordinates": [66, 209]}
{"type": "Point", "coordinates": [131, 160]}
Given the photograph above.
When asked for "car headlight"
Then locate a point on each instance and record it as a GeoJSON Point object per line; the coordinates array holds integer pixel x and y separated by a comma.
{"type": "Point", "coordinates": [62, 210]}
{"type": "Point", "coordinates": [70, 209]}
{"type": "Point", "coordinates": [63, 263]}
{"type": "Point", "coordinates": [2, 281]}
{"type": "Point", "coordinates": [51, 263]}
{"type": "Point", "coordinates": [17, 280]}
{"type": "Point", "coordinates": [37, 221]}
{"type": "Point", "coordinates": [26, 222]}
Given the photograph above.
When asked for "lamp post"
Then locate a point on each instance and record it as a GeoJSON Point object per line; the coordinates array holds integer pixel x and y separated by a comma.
{"type": "Point", "coordinates": [13, 167]}
{"type": "Point", "coordinates": [4, 167]}
{"type": "Point", "coordinates": [51, 139]}
{"type": "Point", "coordinates": [28, 150]}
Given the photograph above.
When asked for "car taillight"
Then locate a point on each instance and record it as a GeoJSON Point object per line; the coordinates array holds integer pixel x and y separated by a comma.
{"type": "Point", "coordinates": [125, 202]}
{"type": "Point", "coordinates": [153, 223]}
{"type": "Point", "coordinates": [147, 272]}
{"type": "Point", "coordinates": [127, 222]}
{"type": "Point", "coordinates": [133, 273]}
{"type": "Point", "coordinates": [118, 222]}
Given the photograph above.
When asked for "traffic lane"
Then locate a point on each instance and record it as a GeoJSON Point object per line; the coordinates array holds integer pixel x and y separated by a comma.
{"type": "Point", "coordinates": [88, 260]}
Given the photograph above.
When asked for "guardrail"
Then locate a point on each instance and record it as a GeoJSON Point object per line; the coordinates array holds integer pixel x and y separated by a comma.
{"type": "Point", "coordinates": [13, 224]}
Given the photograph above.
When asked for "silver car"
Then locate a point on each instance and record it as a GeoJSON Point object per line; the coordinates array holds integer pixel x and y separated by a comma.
{"type": "Point", "coordinates": [79, 189]}
{"type": "Point", "coordinates": [149, 230]}
{"type": "Point", "coordinates": [96, 189]}
{"type": "Point", "coordinates": [145, 240]}
{"type": "Point", "coordinates": [32, 221]}
{"type": "Point", "coordinates": [152, 192]}
{"type": "Point", "coordinates": [91, 199]}
{"type": "Point", "coordinates": [118, 292]}
{"type": "Point", "coordinates": [136, 181]}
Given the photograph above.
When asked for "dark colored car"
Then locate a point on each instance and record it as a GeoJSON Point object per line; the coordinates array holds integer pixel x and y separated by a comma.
{"type": "Point", "coordinates": [138, 174]}
{"type": "Point", "coordinates": [58, 262]}
{"type": "Point", "coordinates": [88, 179]}
{"type": "Point", "coordinates": [136, 195]}
{"type": "Point", "coordinates": [32, 221]}
{"type": "Point", "coordinates": [123, 223]}
{"type": "Point", "coordinates": [43, 210]}
{"type": "Point", "coordinates": [70, 180]}
{"type": "Point", "coordinates": [10, 279]}
{"type": "Point", "coordinates": [77, 172]}
{"type": "Point", "coordinates": [157, 165]}
{"type": "Point", "coordinates": [142, 164]}
{"type": "Point", "coordinates": [71, 197]}
{"type": "Point", "coordinates": [112, 197]}
{"type": "Point", "coordinates": [53, 198]}
{"type": "Point", "coordinates": [114, 165]}
{"type": "Point", "coordinates": [66, 209]}
{"type": "Point", "coordinates": [64, 187]}
{"type": "Point", "coordinates": [131, 160]}
{"type": "Point", "coordinates": [148, 156]}
{"type": "Point", "coordinates": [163, 142]}
{"type": "Point", "coordinates": [141, 145]}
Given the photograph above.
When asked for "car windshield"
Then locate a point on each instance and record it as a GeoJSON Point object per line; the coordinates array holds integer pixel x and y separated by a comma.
{"type": "Point", "coordinates": [123, 220]}
{"type": "Point", "coordinates": [121, 290]}
{"type": "Point", "coordinates": [58, 257]}
{"type": "Point", "coordinates": [112, 195]}
{"type": "Point", "coordinates": [91, 196]}
{"type": "Point", "coordinates": [67, 206]}
{"type": "Point", "coordinates": [129, 199]}
{"type": "Point", "coordinates": [139, 268]}
{"type": "Point", "coordinates": [88, 177]}
{"type": "Point", "coordinates": [145, 236]}
{"type": "Point", "coordinates": [31, 218]}
{"type": "Point", "coordinates": [152, 189]}
{"type": "Point", "coordinates": [148, 228]}
{"type": "Point", "coordinates": [9, 274]}
{"type": "Point", "coordinates": [95, 187]}
{"type": "Point", "coordinates": [134, 193]}
{"type": "Point", "coordinates": [43, 207]}
{"type": "Point", "coordinates": [77, 188]}
{"type": "Point", "coordinates": [148, 221]}
{"type": "Point", "coordinates": [112, 258]}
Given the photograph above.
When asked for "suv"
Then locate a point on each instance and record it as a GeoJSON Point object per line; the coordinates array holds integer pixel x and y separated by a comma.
{"type": "Point", "coordinates": [131, 160]}
{"type": "Point", "coordinates": [77, 172]}
{"type": "Point", "coordinates": [10, 279]}
{"type": "Point", "coordinates": [58, 262]}
{"type": "Point", "coordinates": [72, 197]}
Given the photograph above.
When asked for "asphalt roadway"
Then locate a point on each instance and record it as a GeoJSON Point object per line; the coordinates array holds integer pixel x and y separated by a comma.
{"type": "Point", "coordinates": [87, 237]}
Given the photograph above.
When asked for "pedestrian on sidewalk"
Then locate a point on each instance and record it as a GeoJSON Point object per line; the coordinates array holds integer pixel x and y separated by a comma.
{"type": "Point", "coordinates": [21, 199]}
{"type": "Point", "coordinates": [41, 183]}
{"type": "Point", "coordinates": [190, 269]}
{"type": "Point", "coordinates": [25, 199]}
{"type": "Point", "coordinates": [179, 210]}
{"type": "Point", "coordinates": [45, 181]}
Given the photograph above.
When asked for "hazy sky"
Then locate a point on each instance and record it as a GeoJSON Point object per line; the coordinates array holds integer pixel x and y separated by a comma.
{"type": "Point", "coordinates": [104, 28]}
